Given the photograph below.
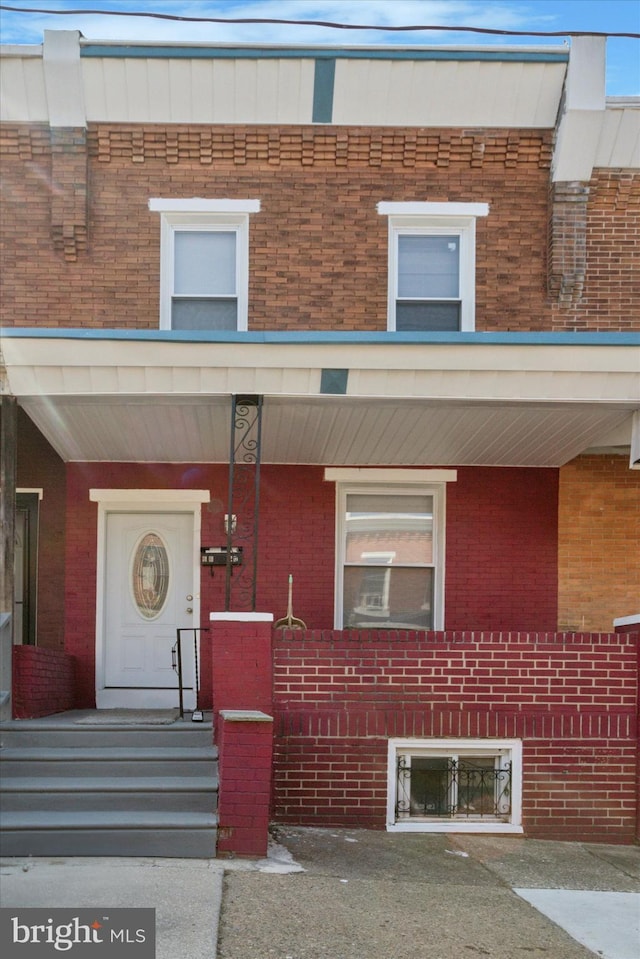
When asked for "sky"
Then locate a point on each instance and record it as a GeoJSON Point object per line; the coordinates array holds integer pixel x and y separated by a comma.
{"type": "Point", "coordinates": [565, 16]}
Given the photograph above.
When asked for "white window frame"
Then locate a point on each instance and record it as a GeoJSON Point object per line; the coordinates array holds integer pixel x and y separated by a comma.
{"type": "Point", "coordinates": [435, 219]}
{"type": "Point", "coordinates": [204, 215]}
{"type": "Point", "coordinates": [416, 485]}
{"type": "Point", "coordinates": [507, 749]}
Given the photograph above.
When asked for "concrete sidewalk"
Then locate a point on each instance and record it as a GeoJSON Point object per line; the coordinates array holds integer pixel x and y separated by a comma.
{"type": "Point", "coordinates": [186, 894]}
{"type": "Point", "coordinates": [376, 895]}
{"type": "Point", "coordinates": [360, 894]}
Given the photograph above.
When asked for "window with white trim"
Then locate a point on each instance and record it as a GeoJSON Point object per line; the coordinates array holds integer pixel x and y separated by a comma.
{"type": "Point", "coordinates": [431, 285]}
{"type": "Point", "coordinates": [390, 549]}
{"type": "Point", "coordinates": [455, 785]}
{"type": "Point", "coordinates": [204, 275]}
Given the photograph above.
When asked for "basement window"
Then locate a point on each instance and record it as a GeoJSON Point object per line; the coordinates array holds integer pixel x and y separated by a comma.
{"type": "Point", "coordinates": [454, 785]}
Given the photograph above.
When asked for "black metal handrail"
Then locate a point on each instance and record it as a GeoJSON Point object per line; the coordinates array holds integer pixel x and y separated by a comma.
{"type": "Point", "coordinates": [176, 660]}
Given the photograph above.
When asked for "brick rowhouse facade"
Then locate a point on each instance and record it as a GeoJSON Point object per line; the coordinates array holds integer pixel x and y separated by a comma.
{"type": "Point", "coordinates": [318, 246]}
{"type": "Point", "coordinates": [533, 542]}
{"type": "Point", "coordinates": [318, 222]}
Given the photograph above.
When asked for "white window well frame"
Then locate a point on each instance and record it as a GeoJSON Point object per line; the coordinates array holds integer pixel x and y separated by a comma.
{"type": "Point", "coordinates": [416, 485]}
{"type": "Point", "coordinates": [435, 219]}
{"type": "Point", "coordinates": [504, 750]}
{"type": "Point", "coordinates": [204, 215]}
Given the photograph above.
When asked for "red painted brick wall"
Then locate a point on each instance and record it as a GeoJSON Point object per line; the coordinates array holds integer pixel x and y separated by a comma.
{"type": "Point", "coordinates": [501, 560]}
{"type": "Point", "coordinates": [43, 682]}
{"type": "Point", "coordinates": [241, 667]}
{"type": "Point", "coordinates": [572, 698]}
{"type": "Point", "coordinates": [501, 567]}
{"type": "Point", "coordinates": [245, 749]}
{"type": "Point", "coordinates": [318, 248]}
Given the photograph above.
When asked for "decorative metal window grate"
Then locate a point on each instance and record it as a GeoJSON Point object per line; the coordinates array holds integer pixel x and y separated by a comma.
{"type": "Point", "coordinates": [451, 787]}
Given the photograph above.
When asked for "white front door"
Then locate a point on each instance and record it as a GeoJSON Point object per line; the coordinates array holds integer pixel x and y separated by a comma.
{"type": "Point", "coordinates": [148, 595]}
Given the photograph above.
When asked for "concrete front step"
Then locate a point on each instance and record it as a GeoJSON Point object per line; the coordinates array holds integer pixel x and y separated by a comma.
{"type": "Point", "coordinates": [168, 793]}
{"type": "Point", "coordinates": [113, 761]}
{"type": "Point", "coordinates": [100, 833]}
{"type": "Point", "coordinates": [69, 733]}
{"type": "Point", "coordinates": [68, 789]}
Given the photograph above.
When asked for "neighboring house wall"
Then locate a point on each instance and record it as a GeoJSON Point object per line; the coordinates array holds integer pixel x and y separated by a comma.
{"type": "Point", "coordinates": [493, 582]}
{"type": "Point", "coordinates": [40, 467]}
{"type": "Point", "coordinates": [339, 697]}
{"type": "Point", "coordinates": [593, 262]}
{"type": "Point", "coordinates": [318, 248]}
{"type": "Point", "coordinates": [599, 533]}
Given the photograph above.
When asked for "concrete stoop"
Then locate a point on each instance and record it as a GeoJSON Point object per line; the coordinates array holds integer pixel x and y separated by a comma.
{"type": "Point", "coordinates": [74, 790]}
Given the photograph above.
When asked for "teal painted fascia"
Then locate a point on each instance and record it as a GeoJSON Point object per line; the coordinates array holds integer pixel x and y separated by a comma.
{"type": "Point", "coordinates": [323, 84]}
{"type": "Point", "coordinates": [125, 50]}
{"type": "Point", "coordinates": [311, 337]}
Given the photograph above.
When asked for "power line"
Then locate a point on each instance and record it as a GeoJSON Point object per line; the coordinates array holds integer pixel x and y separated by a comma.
{"type": "Point", "coordinates": [322, 23]}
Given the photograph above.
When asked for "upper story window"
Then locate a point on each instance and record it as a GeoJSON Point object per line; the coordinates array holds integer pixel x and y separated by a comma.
{"type": "Point", "coordinates": [432, 265]}
{"type": "Point", "coordinates": [204, 275]}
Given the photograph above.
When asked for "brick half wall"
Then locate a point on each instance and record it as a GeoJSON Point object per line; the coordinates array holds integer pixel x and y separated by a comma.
{"type": "Point", "coordinates": [571, 698]}
{"type": "Point", "coordinates": [43, 682]}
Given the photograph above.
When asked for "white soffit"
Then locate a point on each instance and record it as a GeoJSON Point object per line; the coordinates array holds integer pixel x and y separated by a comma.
{"type": "Point", "coordinates": [442, 371]}
{"type": "Point", "coordinates": [619, 142]}
{"type": "Point", "coordinates": [449, 88]}
{"type": "Point", "coordinates": [23, 94]}
{"type": "Point", "coordinates": [453, 93]}
{"type": "Point", "coordinates": [440, 404]}
{"type": "Point", "coordinates": [191, 90]}
{"type": "Point", "coordinates": [330, 431]}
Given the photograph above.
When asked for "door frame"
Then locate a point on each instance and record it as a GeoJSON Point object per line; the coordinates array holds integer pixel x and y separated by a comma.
{"type": "Point", "coordinates": [139, 501]}
{"type": "Point", "coordinates": [28, 501]}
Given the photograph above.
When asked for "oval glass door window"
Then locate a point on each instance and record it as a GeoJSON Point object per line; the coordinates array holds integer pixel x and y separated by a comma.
{"type": "Point", "coordinates": [150, 575]}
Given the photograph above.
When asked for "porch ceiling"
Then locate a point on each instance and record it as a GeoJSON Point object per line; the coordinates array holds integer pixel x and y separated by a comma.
{"type": "Point", "coordinates": [476, 399]}
{"type": "Point", "coordinates": [326, 430]}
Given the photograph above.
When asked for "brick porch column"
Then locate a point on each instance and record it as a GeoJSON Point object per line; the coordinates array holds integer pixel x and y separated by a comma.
{"type": "Point", "coordinates": [242, 681]}
{"type": "Point", "coordinates": [245, 744]}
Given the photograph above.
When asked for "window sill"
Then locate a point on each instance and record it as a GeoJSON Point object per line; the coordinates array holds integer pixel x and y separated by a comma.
{"type": "Point", "coordinates": [451, 826]}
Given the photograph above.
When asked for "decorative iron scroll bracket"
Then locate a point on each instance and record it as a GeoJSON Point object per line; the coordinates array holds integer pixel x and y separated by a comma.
{"type": "Point", "coordinates": [244, 501]}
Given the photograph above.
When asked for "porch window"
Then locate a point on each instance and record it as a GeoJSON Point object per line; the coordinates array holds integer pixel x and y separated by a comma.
{"type": "Point", "coordinates": [390, 557]}
{"type": "Point", "coordinates": [454, 785]}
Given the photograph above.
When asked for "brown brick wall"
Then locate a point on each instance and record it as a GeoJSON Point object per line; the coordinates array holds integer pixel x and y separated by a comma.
{"type": "Point", "coordinates": [318, 248]}
{"type": "Point", "coordinates": [610, 296]}
{"type": "Point", "coordinates": [598, 536]}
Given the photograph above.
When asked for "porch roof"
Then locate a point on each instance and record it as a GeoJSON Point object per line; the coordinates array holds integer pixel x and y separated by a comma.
{"type": "Point", "coordinates": [399, 399]}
